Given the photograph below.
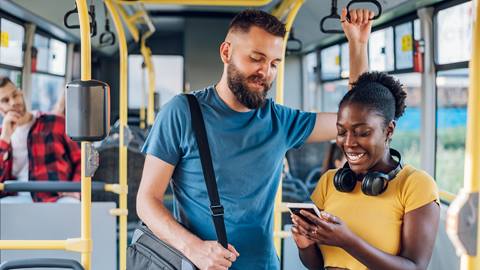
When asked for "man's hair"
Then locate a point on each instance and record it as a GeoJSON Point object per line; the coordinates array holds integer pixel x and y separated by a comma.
{"type": "Point", "coordinates": [252, 17]}
{"type": "Point", "coordinates": [4, 80]}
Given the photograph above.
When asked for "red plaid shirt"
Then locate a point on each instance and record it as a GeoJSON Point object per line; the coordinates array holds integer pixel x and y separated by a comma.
{"type": "Point", "coordinates": [52, 156]}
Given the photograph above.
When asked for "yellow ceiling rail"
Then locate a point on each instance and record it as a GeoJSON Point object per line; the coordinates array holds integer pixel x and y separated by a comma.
{"type": "Point", "coordinates": [253, 3]}
{"type": "Point", "coordinates": [283, 9]}
{"type": "Point", "coordinates": [122, 41]}
{"type": "Point", "coordinates": [140, 16]}
{"type": "Point", "coordinates": [277, 214]}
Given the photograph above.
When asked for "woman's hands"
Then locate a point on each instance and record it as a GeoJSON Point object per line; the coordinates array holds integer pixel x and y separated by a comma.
{"type": "Point", "coordinates": [325, 230]}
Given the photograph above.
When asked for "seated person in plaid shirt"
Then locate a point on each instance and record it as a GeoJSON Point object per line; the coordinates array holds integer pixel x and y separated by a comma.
{"type": "Point", "coordinates": [34, 147]}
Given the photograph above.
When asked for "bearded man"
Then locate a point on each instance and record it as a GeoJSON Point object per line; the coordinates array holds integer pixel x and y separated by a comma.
{"type": "Point", "coordinates": [248, 135]}
{"type": "Point", "coordinates": [34, 147]}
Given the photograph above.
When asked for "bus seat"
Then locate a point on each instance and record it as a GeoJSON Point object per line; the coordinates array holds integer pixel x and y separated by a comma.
{"type": "Point", "coordinates": [303, 165]}
{"type": "Point", "coordinates": [108, 172]}
{"type": "Point", "coordinates": [51, 221]}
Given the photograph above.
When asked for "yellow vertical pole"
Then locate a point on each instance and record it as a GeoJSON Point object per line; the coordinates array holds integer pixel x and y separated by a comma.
{"type": "Point", "coordinates": [472, 149]}
{"type": "Point", "coordinates": [277, 214]}
{"type": "Point", "coordinates": [151, 94]}
{"type": "Point", "coordinates": [86, 184]}
{"type": "Point", "coordinates": [123, 123]}
{"type": "Point", "coordinates": [143, 95]}
{"type": "Point", "coordinates": [147, 56]}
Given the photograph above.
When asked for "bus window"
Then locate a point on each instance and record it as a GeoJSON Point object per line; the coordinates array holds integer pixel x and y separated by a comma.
{"type": "Point", "coordinates": [407, 131]}
{"type": "Point", "coordinates": [168, 78]}
{"type": "Point", "coordinates": [57, 57]}
{"type": "Point", "coordinates": [46, 89]}
{"type": "Point", "coordinates": [454, 30]}
{"type": "Point", "coordinates": [332, 94]}
{"type": "Point", "coordinates": [49, 81]}
{"type": "Point", "coordinates": [14, 75]}
{"type": "Point", "coordinates": [330, 61]}
{"type": "Point", "coordinates": [11, 43]}
{"type": "Point", "coordinates": [311, 97]}
{"type": "Point", "coordinates": [452, 96]}
{"type": "Point", "coordinates": [380, 50]}
{"type": "Point", "coordinates": [404, 46]}
{"type": "Point", "coordinates": [345, 61]}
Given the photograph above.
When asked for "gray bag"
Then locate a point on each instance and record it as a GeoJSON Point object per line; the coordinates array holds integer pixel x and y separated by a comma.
{"type": "Point", "coordinates": [147, 252]}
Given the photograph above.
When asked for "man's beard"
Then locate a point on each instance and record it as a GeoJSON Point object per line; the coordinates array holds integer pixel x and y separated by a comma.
{"type": "Point", "coordinates": [250, 98]}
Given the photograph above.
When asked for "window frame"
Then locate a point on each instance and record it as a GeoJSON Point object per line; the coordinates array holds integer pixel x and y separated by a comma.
{"type": "Point", "coordinates": [49, 36]}
{"type": "Point", "coordinates": [21, 23]}
{"type": "Point", "coordinates": [410, 17]}
{"type": "Point", "coordinates": [454, 65]}
{"type": "Point", "coordinates": [439, 68]}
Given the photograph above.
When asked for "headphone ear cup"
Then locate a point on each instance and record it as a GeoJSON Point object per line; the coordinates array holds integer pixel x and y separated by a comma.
{"type": "Point", "coordinates": [345, 180]}
{"type": "Point", "coordinates": [374, 183]}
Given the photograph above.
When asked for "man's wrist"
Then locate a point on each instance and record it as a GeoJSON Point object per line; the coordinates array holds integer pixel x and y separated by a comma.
{"type": "Point", "coordinates": [187, 247]}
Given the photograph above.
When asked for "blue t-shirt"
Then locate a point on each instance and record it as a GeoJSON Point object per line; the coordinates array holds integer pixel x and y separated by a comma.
{"type": "Point", "coordinates": [247, 152]}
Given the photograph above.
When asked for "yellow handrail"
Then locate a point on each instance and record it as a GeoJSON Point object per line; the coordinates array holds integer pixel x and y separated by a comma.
{"type": "Point", "coordinates": [253, 3]}
{"type": "Point", "coordinates": [86, 65]}
{"type": "Point", "coordinates": [472, 149]}
{"type": "Point", "coordinates": [122, 41]}
{"type": "Point", "coordinates": [277, 214]}
{"type": "Point", "coordinates": [147, 56]}
{"type": "Point", "coordinates": [33, 244]}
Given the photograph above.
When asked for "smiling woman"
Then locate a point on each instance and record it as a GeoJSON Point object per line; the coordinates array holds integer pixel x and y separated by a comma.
{"type": "Point", "coordinates": [395, 205]}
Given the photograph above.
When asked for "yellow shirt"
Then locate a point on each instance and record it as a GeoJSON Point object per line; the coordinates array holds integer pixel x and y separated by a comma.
{"type": "Point", "coordinates": [376, 219]}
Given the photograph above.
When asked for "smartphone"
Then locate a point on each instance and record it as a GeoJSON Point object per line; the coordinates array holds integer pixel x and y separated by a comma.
{"type": "Point", "coordinates": [295, 208]}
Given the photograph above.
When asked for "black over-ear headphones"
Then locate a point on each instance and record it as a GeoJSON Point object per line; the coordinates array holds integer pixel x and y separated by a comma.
{"type": "Point", "coordinates": [373, 183]}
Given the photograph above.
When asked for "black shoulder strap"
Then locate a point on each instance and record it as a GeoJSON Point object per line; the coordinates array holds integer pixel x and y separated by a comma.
{"type": "Point", "coordinates": [206, 160]}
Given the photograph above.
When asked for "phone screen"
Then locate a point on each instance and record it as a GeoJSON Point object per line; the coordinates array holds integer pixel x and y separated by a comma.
{"type": "Point", "coordinates": [296, 211]}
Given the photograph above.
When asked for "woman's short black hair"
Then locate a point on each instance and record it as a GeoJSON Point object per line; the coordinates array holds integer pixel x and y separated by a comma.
{"type": "Point", "coordinates": [380, 92]}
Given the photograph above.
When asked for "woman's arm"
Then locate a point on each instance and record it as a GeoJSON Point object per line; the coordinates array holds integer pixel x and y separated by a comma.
{"type": "Point", "coordinates": [308, 250]}
{"type": "Point", "coordinates": [419, 231]}
{"type": "Point", "coordinates": [311, 257]}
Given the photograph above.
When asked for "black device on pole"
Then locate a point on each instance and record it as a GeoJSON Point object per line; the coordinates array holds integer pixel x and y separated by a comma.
{"type": "Point", "coordinates": [87, 110]}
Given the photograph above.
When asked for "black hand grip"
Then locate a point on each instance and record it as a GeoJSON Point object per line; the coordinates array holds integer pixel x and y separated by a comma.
{"type": "Point", "coordinates": [333, 15]}
{"type": "Point", "coordinates": [47, 263]}
{"type": "Point", "coordinates": [65, 18]}
{"type": "Point", "coordinates": [375, 2]}
{"type": "Point", "coordinates": [330, 31]}
{"type": "Point", "coordinates": [107, 38]}
{"type": "Point", "coordinates": [93, 22]}
{"type": "Point", "coordinates": [49, 186]}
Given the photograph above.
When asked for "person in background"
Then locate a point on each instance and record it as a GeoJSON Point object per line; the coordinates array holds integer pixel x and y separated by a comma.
{"type": "Point", "coordinates": [34, 147]}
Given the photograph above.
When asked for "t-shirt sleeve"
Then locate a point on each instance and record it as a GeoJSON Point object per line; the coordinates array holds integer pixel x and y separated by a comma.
{"type": "Point", "coordinates": [298, 125]}
{"type": "Point", "coordinates": [167, 134]}
{"type": "Point", "coordinates": [420, 189]}
{"type": "Point", "coordinates": [319, 194]}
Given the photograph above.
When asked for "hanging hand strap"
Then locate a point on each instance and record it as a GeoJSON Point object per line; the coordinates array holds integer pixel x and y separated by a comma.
{"type": "Point", "coordinates": [206, 159]}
